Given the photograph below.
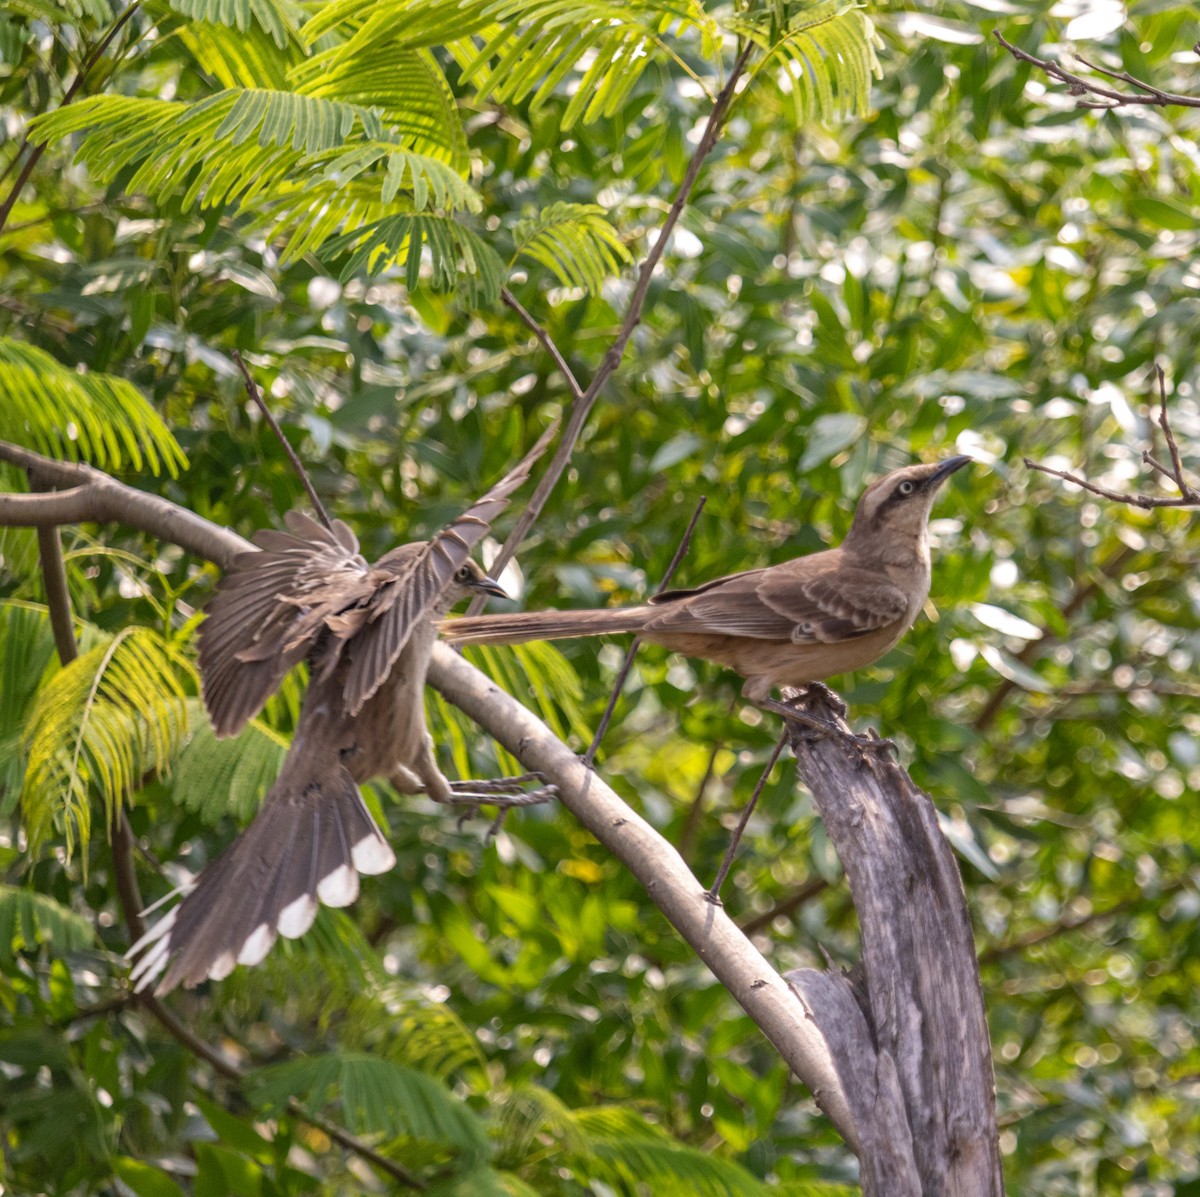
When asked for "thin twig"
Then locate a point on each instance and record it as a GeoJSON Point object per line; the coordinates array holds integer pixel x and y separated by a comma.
{"type": "Point", "coordinates": [582, 407]}
{"type": "Point", "coordinates": [802, 894]}
{"type": "Point", "coordinates": [1164, 423]}
{"type": "Point", "coordinates": [253, 391]}
{"type": "Point", "coordinates": [35, 155]}
{"type": "Point", "coordinates": [1067, 925]}
{"type": "Point", "coordinates": [589, 757]}
{"type": "Point", "coordinates": [1080, 86]}
{"type": "Point", "coordinates": [714, 894]}
{"type": "Point", "coordinates": [1188, 495]}
{"type": "Point", "coordinates": [510, 300]}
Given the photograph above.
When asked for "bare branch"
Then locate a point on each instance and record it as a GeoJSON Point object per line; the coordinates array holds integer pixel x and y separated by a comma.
{"type": "Point", "coordinates": [716, 939]}
{"type": "Point", "coordinates": [1188, 495]}
{"type": "Point", "coordinates": [1079, 86]}
{"type": "Point", "coordinates": [297, 465]}
{"type": "Point", "coordinates": [510, 300]}
{"type": "Point", "coordinates": [714, 893]}
{"type": "Point", "coordinates": [581, 408]}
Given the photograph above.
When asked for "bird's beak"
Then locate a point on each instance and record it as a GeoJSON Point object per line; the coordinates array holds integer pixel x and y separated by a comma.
{"type": "Point", "coordinates": [490, 586]}
{"type": "Point", "coordinates": [947, 468]}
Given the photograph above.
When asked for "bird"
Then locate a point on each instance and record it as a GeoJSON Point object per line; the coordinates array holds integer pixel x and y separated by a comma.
{"type": "Point", "coordinates": [788, 625]}
{"type": "Point", "coordinates": [367, 632]}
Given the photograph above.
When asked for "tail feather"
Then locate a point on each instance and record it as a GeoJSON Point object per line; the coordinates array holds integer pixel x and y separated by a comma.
{"type": "Point", "coordinates": [522, 626]}
{"type": "Point", "coordinates": [307, 845]}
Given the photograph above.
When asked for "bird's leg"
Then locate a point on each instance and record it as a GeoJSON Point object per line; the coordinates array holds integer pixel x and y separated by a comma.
{"type": "Point", "coordinates": [818, 728]}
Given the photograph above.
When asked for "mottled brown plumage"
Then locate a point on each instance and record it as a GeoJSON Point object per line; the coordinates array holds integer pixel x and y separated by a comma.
{"type": "Point", "coordinates": [367, 632]}
{"type": "Point", "coordinates": [787, 625]}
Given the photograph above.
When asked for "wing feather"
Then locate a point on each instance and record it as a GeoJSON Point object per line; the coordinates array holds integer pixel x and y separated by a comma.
{"type": "Point", "coordinates": [399, 604]}
{"type": "Point", "coordinates": [268, 613]}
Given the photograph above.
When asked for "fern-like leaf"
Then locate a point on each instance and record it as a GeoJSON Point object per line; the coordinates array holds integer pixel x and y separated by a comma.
{"type": "Point", "coordinates": [30, 920]}
{"type": "Point", "coordinates": [377, 1097]}
{"type": "Point", "coordinates": [516, 50]}
{"type": "Point", "coordinates": [26, 649]}
{"type": "Point", "coordinates": [827, 53]}
{"type": "Point", "coordinates": [281, 19]}
{"type": "Point", "coordinates": [457, 256]}
{"type": "Point", "coordinates": [575, 242]}
{"type": "Point", "coordinates": [219, 778]}
{"type": "Point", "coordinates": [98, 417]}
{"type": "Point", "coordinates": [101, 724]}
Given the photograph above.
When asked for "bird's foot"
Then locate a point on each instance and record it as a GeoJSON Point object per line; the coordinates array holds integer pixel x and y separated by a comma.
{"type": "Point", "coordinates": [816, 728]}
{"type": "Point", "coordinates": [831, 700]}
{"type": "Point", "coordinates": [504, 793]}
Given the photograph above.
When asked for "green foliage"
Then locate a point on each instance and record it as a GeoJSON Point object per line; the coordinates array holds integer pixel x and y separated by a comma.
{"type": "Point", "coordinates": [376, 1097]}
{"type": "Point", "coordinates": [216, 778]}
{"type": "Point", "coordinates": [101, 725]}
{"type": "Point", "coordinates": [966, 263]}
{"type": "Point", "coordinates": [29, 920]}
{"type": "Point", "coordinates": [80, 414]}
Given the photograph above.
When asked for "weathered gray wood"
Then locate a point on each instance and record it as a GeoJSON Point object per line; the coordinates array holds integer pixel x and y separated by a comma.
{"type": "Point", "coordinates": [926, 1036]}
{"type": "Point", "coordinates": [869, 1080]}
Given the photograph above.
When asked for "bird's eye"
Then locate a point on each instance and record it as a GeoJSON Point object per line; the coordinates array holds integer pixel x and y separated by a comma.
{"type": "Point", "coordinates": [464, 573]}
{"type": "Point", "coordinates": [905, 488]}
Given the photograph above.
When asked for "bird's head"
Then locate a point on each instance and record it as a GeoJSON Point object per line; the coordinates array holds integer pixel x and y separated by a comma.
{"type": "Point", "coordinates": [897, 506]}
{"type": "Point", "coordinates": [469, 580]}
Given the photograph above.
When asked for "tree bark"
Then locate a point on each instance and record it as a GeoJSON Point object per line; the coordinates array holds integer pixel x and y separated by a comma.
{"type": "Point", "coordinates": [911, 1041]}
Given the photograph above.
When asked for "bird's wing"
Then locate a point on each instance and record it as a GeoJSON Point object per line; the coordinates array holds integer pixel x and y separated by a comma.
{"type": "Point", "coordinates": [833, 605]}
{"type": "Point", "coordinates": [269, 611]}
{"type": "Point", "coordinates": [415, 582]}
{"type": "Point", "coordinates": [807, 600]}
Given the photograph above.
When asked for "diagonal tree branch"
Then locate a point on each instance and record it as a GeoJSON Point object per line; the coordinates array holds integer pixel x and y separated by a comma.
{"type": "Point", "coordinates": [35, 155]}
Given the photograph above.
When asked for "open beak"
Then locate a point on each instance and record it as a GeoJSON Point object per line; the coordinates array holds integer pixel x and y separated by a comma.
{"type": "Point", "coordinates": [488, 585]}
{"type": "Point", "coordinates": [947, 468]}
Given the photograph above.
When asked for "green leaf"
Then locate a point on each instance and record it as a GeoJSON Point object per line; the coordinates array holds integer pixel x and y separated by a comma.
{"type": "Point", "coordinates": [102, 724]}
{"type": "Point", "coordinates": [830, 434]}
{"type": "Point", "coordinates": [376, 1097]}
{"type": "Point", "coordinates": [29, 920]}
{"type": "Point", "coordinates": [144, 1180]}
{"type": "Point", "coordinates": [80, 414]}
{"type": "Point", "coordinates": [575, 242]}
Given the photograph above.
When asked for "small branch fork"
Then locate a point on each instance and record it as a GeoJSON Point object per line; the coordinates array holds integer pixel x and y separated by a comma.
{"type": "Point", "coordinates": [1107, 97]}
{"type": "Point", "coordinates": [1188, 496]}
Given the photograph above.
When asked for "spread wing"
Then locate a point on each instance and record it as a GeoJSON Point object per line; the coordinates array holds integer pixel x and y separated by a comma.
{"type": "Point", "coordinates": [268, 612]}
{"type": "Point", "coordinates": [811, 599]}
{"type": "Point", "coordinates": [417, 581]}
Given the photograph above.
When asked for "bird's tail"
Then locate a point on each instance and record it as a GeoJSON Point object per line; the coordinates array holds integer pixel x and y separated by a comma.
{"type": "Point", "coordinates": [521, 626]}
{"type": "Point", "coordinates": [308, 843]}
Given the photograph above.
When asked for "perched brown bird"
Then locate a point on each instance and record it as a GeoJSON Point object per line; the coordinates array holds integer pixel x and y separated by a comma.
{"type": "Point", "coordinates": [368, 633]}
{"type": "Point", "coordinates": [786, 625]}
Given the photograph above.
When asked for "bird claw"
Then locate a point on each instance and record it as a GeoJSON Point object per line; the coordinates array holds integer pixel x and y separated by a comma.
{"type": "Point", "coordinates": [814, 728]}
{"type": "Point", "coordinates": [831, 700]}
{"type": "Point", "coordinates": [504, 793]}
